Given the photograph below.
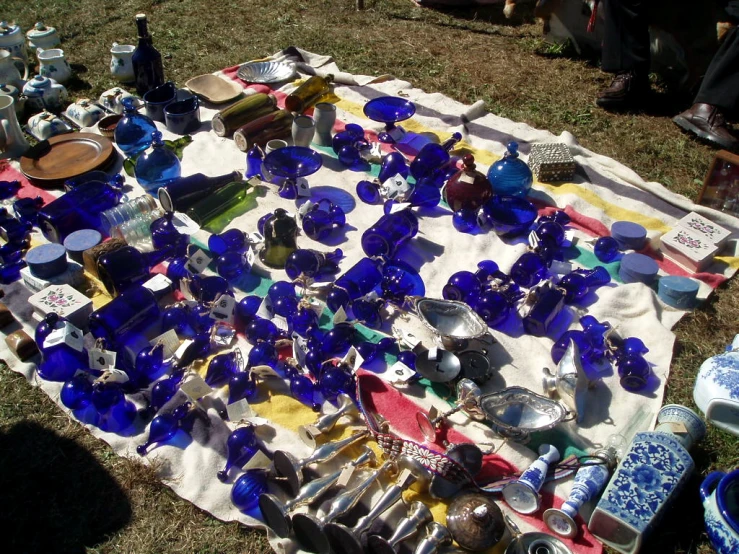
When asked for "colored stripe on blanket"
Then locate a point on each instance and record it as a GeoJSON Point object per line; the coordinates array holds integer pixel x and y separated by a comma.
{"type": "Point", "coordinates": [27, 190]}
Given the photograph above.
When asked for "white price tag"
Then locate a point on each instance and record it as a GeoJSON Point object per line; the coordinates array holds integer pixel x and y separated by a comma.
{"type": "Point", "coordinates": [258, 461]}
{"type": "Point", "coordinates": [399, 207]}
{"type": "Point", "coordinates": [353, 359]}
{"type": "Point", "coordinates": [265, 308]}
{"type": "Point", "coordinates": [433, 412]}
{"type": "Point", "coordinates": [89, 341]}
{"type": "Point", "coordinates": [113, 375]}
{"type": "Point", "coordinates": [398, 373]}
{"type": "Point", "coordinates": [433, 354]}
{"type": "Point", "coordinates": [257, 421]}
{"type": "Point", "coordinates": [299, 348]}
{"type": "Point", "coordinates": [254, 181]}
{"type": "Point", "coordinates": [467, 178]}
{"type": "Point", "coordinates": [339, 316]}
{"type": "Point", "coordinates": [264, 372]}
{"type": "Point", "coordinates": [255, 237]}
{"type": "Point", "coordinates": [185, 289]}
{"type": "Point", "coordinates": [281, 323]}
{"type": "Point", "coordinates": [406, 338]}
{"type": "Point", "coordinates": [304, 209]}
{"type": "Point", "coordinates": [98, 358]}
{"type": "Point", "coordinates": [69, 335]}
{"type": "Point", "coordinates": [303, 187]}
{"type": "Point", "coordinates": [171, 343]}
{"type": "Point", "coordinates": [198, 261]}
{"type": "Point", "coordinates": [184, 224]}
{"type": "Point", "coordinates": [239, 410]}
{"type": "Point", "coordinates": [195, 387]}
{"type": "Point", "coordinates": [396, 186]}
{"type": "Point", "coordinates": [251, 256]}
{"type": "Point", "coordinates": [158, 283]}
{"type": "Point", "coordinates": [346, 475]}
{"type": "Point", "coordinates": [223, 309]}
{"type": "Point", "coordinates": [560, 268]}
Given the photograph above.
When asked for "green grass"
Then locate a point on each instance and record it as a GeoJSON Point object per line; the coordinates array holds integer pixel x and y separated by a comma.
{"type": "Point", "coordinates": [67, 492]}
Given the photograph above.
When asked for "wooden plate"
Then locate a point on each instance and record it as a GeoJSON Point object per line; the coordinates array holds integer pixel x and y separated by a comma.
{"type": "Point", "coordinates": [214, 89]}
{"type": "Point", "coordinates": [63, 157]}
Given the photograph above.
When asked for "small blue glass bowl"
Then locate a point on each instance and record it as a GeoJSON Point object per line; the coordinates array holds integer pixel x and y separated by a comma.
{"type": "Point", "coordinates": [159, 98]}
{"type": "Point", "coordinates": [293, 162]}
{"type": "Point", "coordinates": [509, 216]}
{"type": "Point", "coordinates": [389, 109]}
{"type": "Point", "coordinates": [183, 117]}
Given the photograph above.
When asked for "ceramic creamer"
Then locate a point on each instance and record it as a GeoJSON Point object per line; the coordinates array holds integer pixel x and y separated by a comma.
{"type": "Point", "coordinates": [52, 64]}
{"type": "Point", "coordinates": [121, 65]}
{"type": "Point", "coordinates": [716, 391]}
{"type": "Point", "coordinates": [720, 496]}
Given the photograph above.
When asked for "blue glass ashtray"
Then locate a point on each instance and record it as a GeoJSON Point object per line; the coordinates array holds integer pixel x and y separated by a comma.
{"type": "Point", "coordinates": [293, 161]}
{"type": "Point", "coordinates": [509, 216]}
{"type": "Point", "coordinates": [389, 110]}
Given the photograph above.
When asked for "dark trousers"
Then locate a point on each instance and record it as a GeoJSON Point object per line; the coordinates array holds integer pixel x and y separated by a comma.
{"type": "Point", "coordinates": [626, 48]}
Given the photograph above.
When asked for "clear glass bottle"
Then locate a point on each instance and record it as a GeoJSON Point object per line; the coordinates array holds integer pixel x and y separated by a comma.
{"type": "Point", "coordinates": [136, 207]}
{"type": "Point", "coordinates": [147, 61]}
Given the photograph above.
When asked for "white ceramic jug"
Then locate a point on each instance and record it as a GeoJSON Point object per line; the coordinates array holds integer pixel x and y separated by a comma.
{"type": "Point", "coordinates": [9, 73]}
{"type": "Point", "coordinates": [12, 142]}
{"type": "Point", "coordinates": [121, 64]}
{"type": "Point", "coordinates": [53, 65]}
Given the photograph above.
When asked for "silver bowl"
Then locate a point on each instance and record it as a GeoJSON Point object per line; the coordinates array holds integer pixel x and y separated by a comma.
{"type": "Point", "coordinates": [266, 72]}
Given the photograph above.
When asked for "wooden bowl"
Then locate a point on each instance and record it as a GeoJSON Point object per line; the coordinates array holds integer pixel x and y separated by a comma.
{"type": "Point", "coordinates": [107, 125]}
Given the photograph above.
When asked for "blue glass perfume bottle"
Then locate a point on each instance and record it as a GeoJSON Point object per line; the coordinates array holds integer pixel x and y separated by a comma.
{"type": "Point", "coordinates": [133, 132]}
{"type": "Point", "coordinates": [357, 281]}
{"type": "Point", "coordinates": [157, 168]}
{"type": "Point", "coordinates": [79, 208]}
{"type": "Point", "coordinates": [432, 157]}
{"type": "Point", "coordinates": [510, 176]}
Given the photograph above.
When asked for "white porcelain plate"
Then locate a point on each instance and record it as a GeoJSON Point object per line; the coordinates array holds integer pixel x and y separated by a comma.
{"type": "Point", "coordinates": [266, 72]}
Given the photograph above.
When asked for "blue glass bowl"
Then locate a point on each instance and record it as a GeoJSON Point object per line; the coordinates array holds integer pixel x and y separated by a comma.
{"type": "Point", "coordinates": [389, 109]}
{"type": "Point", "coordinates": [509, 216]}
{"type": "Point", "coordinates": [293, 162]}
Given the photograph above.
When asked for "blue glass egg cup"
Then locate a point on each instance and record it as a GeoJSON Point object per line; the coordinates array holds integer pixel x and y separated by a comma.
{"type": "Point", "coordinates": [291, 163]}
{"type": "Point", "coordinates": [389, 110]}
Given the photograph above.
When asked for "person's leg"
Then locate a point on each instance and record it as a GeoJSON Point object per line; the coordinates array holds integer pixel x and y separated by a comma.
{"type": "Point", "coordinates": [625, 53]}
{"type": "Point", "coordinates": [718, 94]}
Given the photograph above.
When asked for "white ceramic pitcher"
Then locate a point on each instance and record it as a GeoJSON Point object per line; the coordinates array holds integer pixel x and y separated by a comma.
{"type": "Point", "coordinates": [53, 64]}
{"type": "Point", "coordinates": [12, 142]}
{"type": "Point", "coordinates": [121, 63]}
{"type": "Point", "coordinates": [9, 73]}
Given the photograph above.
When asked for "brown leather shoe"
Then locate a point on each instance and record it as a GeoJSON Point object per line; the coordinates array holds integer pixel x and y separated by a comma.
{"type": "Point", "coordinates": [707, 123]}
{"type": "Point", "coordinates": [627, 90]}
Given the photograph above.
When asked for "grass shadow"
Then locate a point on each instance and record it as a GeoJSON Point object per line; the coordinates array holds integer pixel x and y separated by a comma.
{"type": "Point", "coordinates": [57, 497]}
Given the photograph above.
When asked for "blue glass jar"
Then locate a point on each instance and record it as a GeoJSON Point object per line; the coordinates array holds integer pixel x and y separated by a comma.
{"type": "Point", "coordinates": [510, 176]}
{"type": "Point", "coordinates": [357, 281]}
{"type": "Point", "coordinates": [157, 168]}
{"type": "Point", "coordinates": [79, 208]}
{"type": "Point", "coordinates": [133, 132]}
{"type": "Point", "coordinates": [389, 233]}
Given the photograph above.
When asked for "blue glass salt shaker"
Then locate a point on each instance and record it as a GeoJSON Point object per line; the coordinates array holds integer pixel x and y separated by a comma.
{"type": "Point", "coordinates": [510, 176]}
{"type": "Point", "coordinates": [389, 233]}
{"type": "Point", "coordinates": [133, 132]}
{"type": "Point", "coordinates": [157, 168]}
{"type": "Point", "coordinates": [254, 159]}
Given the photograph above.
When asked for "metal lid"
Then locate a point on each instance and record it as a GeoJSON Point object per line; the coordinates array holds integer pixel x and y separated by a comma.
{"type": "Point", "coordinates": [475, 522]}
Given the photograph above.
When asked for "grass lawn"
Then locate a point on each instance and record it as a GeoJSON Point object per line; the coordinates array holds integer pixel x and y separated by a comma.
{"type": "Point", "coordinates": [79, 497]}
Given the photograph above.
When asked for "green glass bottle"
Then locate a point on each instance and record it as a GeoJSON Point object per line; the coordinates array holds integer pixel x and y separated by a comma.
{"type": "Point", "coordinates": [308, 94]}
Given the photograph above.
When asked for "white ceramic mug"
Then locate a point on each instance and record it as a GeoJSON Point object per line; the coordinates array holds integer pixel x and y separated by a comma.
{"type": "Point", "coordinates": [303, 129]}
{"type": "Point", "coordinates": [273, 145]}
{"type": "Point", "coordinates": [324, 114]}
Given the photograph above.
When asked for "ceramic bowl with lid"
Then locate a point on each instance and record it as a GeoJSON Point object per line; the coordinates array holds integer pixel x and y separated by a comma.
{"type": "Point", "coordinates": [42, 36]}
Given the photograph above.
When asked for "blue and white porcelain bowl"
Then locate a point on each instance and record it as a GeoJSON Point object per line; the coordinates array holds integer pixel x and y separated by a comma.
{"type": "Point", "coordinates": [716, 391]}
{"type": "Point", "coordinates": [720, 495]}
{"type": "Point", "coordinates": [672, 415]}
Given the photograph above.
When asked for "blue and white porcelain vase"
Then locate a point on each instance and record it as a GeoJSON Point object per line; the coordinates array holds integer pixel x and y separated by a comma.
{"type": "Point", "coordinates": [650, 476]}
{"type": "Point", "coordinates": [523, 494]}
{"type": "Point", "coordinates": [719, 492]}
{"type": "Point", "coordinates": [590, 480]}
{"type": "Point", "coordinates": [716, 391]}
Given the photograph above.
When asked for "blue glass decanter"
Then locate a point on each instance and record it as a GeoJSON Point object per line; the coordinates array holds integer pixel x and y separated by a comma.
{"type": "Point", "coordinates": [158, 167]}
{"type": "Point", "coordinates": [133, 132]}
{"type": "Point", "coordinates": [510, 176]}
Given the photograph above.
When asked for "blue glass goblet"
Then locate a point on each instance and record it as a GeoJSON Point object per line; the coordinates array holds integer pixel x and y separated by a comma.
{"type": "Point", "coordinates": [292, 162]}
{"type": "Point", "coordinates": [389, 110]}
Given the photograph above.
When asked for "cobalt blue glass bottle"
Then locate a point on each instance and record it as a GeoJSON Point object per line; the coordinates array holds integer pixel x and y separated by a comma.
{"type": "Point", "coordinates": [157, 168]}
{"type": "Point", "coordinates": [305, 263]}
{"type": "Point", "coordinates": [432, 156]}
{"type": "Point", "coordinates": [147, 61]}
{"type": "Point", "coordinates": [127, 266]}
{"type": "Point", "coordinates": [529, 269]}
{"type": "Point", "coordinates": [389, 233]}
{"type": "Point", "coordinates": [357, 281]}
{"type": "Point", "coordinates": [241, 445]}
{"type": "Point", "coordinates": [133, 132]}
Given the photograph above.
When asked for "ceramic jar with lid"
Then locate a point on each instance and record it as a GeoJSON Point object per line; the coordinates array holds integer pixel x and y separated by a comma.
{"type": "Point", "coordinates": [11, 39]}
{"type": "Point", "coordinates": [84, 113]}
{"type": "Point", "coordinates": [42, 36]}
{"type": "Point", "coordinates": [45, 125]}
{"type": "Point", "coordinates": [44, 93]}
{"type": "Point", "coordinates": [15, 94]}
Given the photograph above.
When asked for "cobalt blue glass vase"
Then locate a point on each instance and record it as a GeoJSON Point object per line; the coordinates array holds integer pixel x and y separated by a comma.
{"type": "Point", "coordinates": [157, 168]}
{"type": "Point", "coordinates": [133, 132]}
{"type": "Point", "coordinates": [510, 176]}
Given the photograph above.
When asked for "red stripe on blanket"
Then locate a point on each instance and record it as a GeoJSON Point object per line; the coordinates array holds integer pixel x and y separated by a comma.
{"type": "Point", "coordinates": [27, 190]}
{"type": "Point", "coordinates": [400, 412]}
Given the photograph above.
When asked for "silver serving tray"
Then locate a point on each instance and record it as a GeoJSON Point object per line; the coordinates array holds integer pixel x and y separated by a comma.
{"type": "Point", "coordinates": [266, 72]}
{"type": "Point", "coordinates": [516, 412]}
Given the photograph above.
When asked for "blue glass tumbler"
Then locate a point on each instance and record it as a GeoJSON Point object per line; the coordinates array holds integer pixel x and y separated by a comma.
{"type": "Point", "coordinates": [389, 233]}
